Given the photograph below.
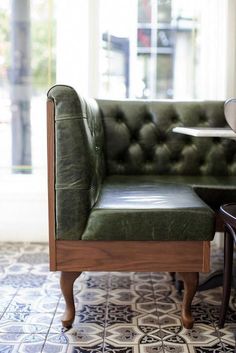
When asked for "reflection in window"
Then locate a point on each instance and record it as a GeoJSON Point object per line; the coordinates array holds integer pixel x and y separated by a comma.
{"type": "Point", "coordinates": [144, 38]}
{"type": "Point", "coordinates": [164, 10]}
{"type": "Point", "coordinates": [158, 40]}
{"type": "Point", "coordinates": [166, 32]}
{"type": "Point", "coordinates": [144, 11]}
{"type": "Point", "coordinates": [143, 88]}
{"type": "Point", "coordinates": [165, 38]}
{"type": "Point", "coordinates": [115, 66]}
{"type": "Point", "coordinates": [164, 72]}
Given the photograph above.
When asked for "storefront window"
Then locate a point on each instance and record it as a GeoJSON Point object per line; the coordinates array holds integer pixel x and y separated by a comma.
{"type": "Point", "coordinates": [167, 31]}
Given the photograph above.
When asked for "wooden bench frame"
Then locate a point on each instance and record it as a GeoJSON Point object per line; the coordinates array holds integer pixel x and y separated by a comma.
{"type": "Point", "coordinates": [72, 257]}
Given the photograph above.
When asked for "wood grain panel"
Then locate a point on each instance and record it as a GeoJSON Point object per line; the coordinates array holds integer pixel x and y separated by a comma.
{"type": "Point", "coordinates": [178, 256]}
{"type": "Point", "coordinates": [51, 182]}
{"type": "Point", "coordinates": [206, 256]}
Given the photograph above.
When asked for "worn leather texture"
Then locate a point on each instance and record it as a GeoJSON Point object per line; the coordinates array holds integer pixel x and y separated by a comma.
{"type": "Point", "coordinates": [79, 161]}
{"type": "Point", "coordinates": [141, 208]}
{"type": "Point", "coordinates": [103, 139]}
{"type": "Point", "coordinates": [213, 190]}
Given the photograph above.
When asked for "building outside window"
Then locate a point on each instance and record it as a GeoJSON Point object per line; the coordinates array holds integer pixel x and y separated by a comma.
{"type": "Point", "coordinates": [166, 33]}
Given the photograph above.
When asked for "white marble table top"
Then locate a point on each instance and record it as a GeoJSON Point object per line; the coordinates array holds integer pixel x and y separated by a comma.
{"type": "Point", "coordinates": [206, 132]}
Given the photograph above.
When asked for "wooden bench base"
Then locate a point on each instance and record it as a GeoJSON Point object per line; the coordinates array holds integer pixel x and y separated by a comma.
{"type": "Point", "coordinates": [186, 257]}
{"type": "Point", "coordinates": [155, 256]}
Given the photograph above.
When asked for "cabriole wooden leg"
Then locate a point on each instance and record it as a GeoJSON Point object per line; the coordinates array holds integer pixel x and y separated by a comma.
{"type": "Point", "coordinates": [66, 282]}
{"type": "Point", "coordinates": [190, 287]}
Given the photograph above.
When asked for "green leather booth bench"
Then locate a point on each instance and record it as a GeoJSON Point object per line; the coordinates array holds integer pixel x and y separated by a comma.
{"type": "Point", "coordinates": [126, 193]}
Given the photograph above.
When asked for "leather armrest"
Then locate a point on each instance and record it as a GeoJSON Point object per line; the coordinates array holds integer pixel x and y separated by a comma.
{"type": "Point", "coordinates": [79, 162]}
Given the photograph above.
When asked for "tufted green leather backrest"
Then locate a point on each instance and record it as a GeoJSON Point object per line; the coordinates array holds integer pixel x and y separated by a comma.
{"type": "Point", "coordinates": [139, 138]}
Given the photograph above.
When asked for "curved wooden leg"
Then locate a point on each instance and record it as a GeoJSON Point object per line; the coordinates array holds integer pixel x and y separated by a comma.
{"type": "Point", "coordinates": [190, 287]}
{"type": "Point", "coordinates": [228, 261]}
{"type": "Point", "coordinates": [67, 280]}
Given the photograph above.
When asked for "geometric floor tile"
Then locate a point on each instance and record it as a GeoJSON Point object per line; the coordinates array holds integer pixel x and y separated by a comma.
{"type": "Point", "coordinates": [116, 312]}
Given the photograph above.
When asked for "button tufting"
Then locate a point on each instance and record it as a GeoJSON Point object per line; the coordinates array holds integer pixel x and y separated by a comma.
{"type": "Point", "coordinates": [162, 138]}
{"type": "Point", "coordinates": [121, 163]}
{"type": "Point", "coordinates": [203, 118]}
{"type": "Point", "coordinates": [148, 117]}
{"type": "Point", "coordinates": [174, 118]}
{"type": "Point", "coordinates": [119, 117]}
{"type": "Point", "coordinates": [216, 140]}
{"type": "Point", "coordinates": [142, 141]}
{"type": "Point", "coordinates": [188, 141]}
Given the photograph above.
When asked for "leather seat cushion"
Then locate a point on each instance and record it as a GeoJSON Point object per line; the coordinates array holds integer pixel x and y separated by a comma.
{"type": "Point", "coordinates": [143, 208]}
{"type": "Point", "coordinates": [213, 190]}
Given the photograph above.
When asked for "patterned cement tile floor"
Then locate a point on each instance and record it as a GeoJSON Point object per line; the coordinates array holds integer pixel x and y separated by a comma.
{"type": "Point", "coordinates": [116, 312]}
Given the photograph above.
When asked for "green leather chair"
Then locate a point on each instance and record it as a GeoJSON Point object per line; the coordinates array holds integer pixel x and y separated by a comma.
{"type": "Point", "coordinates": [124, 189]}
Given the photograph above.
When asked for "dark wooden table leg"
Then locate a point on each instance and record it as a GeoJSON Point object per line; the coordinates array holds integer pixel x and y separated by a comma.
{"type": "Point", "coordinates": [190, 287]}
{"type": "Point", "coordinates": [67, 282]}
{"type": "Point", "coordinates": [228, 263]}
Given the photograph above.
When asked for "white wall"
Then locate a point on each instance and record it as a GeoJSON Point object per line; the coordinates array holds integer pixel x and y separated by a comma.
{"type": "Point", "coordinates": [23, 207]}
